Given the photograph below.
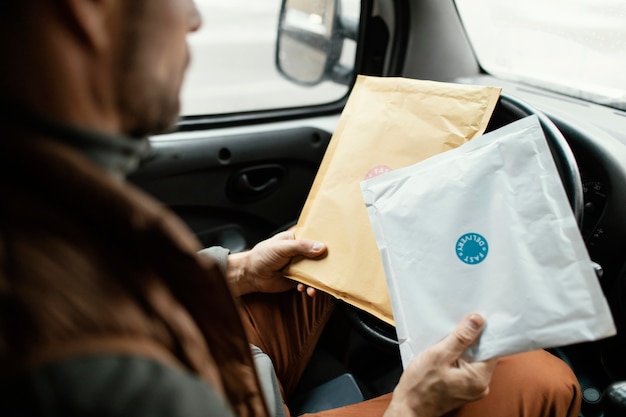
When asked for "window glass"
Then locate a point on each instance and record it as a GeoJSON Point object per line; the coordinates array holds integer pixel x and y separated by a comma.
{"type": "Point", "coordinates": [233, 65]}
{"type": "Point", "coordinates": [577, 47]}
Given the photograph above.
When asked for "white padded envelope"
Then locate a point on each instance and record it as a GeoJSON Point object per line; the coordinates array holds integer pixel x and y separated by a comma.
{"type": "Point", "coordinates": [486, 228]}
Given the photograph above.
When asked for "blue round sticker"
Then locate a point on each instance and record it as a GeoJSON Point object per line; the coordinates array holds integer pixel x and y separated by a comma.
{"type": "Point", "coordinates": [472, 248]}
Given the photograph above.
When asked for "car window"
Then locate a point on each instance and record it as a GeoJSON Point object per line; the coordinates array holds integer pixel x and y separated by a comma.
{"type": "Point", "coordinates": [233, 67]}
{"type": "Point", "coordinates": [577, 47]}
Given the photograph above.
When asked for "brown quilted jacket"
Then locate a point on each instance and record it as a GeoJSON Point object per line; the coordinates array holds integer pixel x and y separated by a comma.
{"type": "Point", "coordinates": [90, 264]}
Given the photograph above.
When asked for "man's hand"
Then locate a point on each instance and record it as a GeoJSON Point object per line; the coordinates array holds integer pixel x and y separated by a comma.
{"type": "Point", "coordinates": [438, 380]}
{"type": "Point", "coordinates": [259, 269]}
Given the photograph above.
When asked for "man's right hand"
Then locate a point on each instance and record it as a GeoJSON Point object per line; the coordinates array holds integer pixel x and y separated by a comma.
{"type": "Point", "coordinates": [438, 380]}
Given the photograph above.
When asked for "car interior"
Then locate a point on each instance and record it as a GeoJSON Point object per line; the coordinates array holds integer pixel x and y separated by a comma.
{"type": "Point", "coordinates": [238, 178]}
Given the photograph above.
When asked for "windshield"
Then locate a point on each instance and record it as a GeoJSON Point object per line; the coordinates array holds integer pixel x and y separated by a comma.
{"type": "Point", "coordinates": [577, 47]}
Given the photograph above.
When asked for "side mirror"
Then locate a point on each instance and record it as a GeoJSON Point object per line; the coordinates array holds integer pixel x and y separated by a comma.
{"type": "Point", "coordinates": [310, 42]}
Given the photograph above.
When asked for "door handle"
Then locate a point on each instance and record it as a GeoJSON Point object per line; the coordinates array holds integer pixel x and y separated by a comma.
{"type": "Point", "coordinates": [253, 184]}
{"type": "Point", "coordinates": [247, 185]}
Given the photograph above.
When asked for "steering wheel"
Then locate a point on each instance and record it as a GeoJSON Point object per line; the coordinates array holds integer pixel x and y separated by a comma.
{"type": "Point", "coordinates": [507, 110]}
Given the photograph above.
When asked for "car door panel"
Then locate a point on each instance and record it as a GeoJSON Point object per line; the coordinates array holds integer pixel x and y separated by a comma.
{"type": "Point", "coordinates": [234, 189]}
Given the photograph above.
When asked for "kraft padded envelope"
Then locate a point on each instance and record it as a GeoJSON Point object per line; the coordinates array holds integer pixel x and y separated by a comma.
{"type": "Point", "coordinates": [387, 123]}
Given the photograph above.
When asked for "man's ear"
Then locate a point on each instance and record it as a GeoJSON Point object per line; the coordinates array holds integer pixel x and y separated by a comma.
{"type": "Point", "coordinates": [91, 19]}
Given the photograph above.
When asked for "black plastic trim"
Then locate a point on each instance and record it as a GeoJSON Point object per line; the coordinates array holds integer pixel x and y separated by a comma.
{"type": "Point", "coordinates": [400, 37]}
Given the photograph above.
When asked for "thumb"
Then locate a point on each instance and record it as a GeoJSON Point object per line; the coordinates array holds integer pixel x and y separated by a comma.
{"type": "Point", "coordinates": [300, 247]}
{"type": "Point", "coordinates": [464, 335]}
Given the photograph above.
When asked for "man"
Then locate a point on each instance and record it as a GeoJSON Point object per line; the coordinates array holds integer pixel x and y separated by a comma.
{"type": "Point", "coordinates": [106, 307]}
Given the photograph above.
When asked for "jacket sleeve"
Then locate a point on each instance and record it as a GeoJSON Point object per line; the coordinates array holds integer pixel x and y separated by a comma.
{"type": "Point", "coordinates": [110, 386]}
{"type": "Point", "coordinates": [219, 254]}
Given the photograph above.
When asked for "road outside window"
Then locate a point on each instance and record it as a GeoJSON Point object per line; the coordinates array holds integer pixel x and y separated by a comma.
{"type": "Point", "coordinates": [233, 61]}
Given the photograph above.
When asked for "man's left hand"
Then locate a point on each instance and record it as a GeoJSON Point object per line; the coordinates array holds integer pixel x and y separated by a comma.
{"type": "Point", "coordinates": [260, 269]}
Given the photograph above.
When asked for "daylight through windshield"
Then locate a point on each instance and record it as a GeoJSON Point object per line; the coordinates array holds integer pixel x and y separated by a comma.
{"type": "Point", "coordinates": [577, 47]}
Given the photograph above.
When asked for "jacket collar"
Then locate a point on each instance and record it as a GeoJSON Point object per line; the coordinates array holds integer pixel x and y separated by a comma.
{"type": "Point", "coordinates": [117, 154]}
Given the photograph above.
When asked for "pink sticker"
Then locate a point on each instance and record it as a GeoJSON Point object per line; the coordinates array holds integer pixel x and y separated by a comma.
{"type": "Point", "coordinates": [377, 170]}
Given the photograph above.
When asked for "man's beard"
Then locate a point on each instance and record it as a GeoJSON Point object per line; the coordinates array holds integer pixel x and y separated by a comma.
{"type": "Point", "coordinates": [148, 105]}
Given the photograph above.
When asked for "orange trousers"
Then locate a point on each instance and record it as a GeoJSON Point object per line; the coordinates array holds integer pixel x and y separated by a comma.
{"type": "Point", "coordinates": [288, 326]}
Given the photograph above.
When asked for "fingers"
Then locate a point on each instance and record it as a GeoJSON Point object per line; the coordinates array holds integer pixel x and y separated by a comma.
{"type": "Point", "coordinates": [310, 291]}
{"type": "Point", "coordinates": [285, 245]}
{"type": "Point", "coordinates": [289, 248]}
{"type": "Point", "coordinates": [472, 379]}
{"type": "Point", "coordinates": [463, 336]}
{"type": "Point", "coordinates": [486, 367]}
{"type": "Point", "coordinates": [315, 248]}
{"type": "Point", "coordinates": [285, 235]}
{"type": "Point", "coordinates": [438, 380]}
